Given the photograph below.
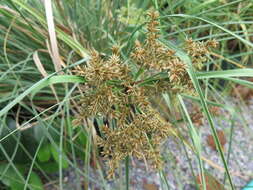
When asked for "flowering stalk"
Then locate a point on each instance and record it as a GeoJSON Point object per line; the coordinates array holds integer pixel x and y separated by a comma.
{"type": "Point", "coordinates": [112, 91]}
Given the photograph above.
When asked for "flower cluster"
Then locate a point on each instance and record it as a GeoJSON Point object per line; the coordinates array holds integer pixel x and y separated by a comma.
{"type": "Point", "coordinates": [154, 55]}
{"type": "Point", "coordinates": [113, 91]}
{"type": "Point", "coordinates": [109, 90]}
{"type": "Point", "coordinates": [141, 138]}
{"type": "Point", "coordinates": [198, 51]}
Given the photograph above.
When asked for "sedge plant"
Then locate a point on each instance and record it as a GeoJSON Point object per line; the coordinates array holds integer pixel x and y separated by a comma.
{"type": "Point", "coordinates": [135, 128]}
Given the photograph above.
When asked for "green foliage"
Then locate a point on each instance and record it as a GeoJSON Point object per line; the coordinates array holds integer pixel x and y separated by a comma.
{"type": "Point", "coordinates": [10, 178]}
{"type": "Point", "coordinates": [15, 181]}
{"type": "Point", "coordinates": [44, 153]}
{"type": "Point", "coordinates": [35, 182]}
{"type": "Point", "coordinates": [59, 157]}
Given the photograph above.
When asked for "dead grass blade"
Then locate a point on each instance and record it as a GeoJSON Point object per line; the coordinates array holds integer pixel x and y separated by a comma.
{"type": "Point", "coordinates": [52, 35]}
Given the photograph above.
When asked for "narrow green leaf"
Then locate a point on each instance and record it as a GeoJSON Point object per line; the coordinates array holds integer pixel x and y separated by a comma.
{"type": "Point", "coordinates": [214, 24]}
{"type": "Point", "coordinates": [41, 84]}
{"type": "Point", "coordinates": [226, 73]}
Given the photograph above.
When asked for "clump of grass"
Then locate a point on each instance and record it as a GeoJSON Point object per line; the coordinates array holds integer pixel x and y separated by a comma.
{"type": "Point", "coordinates": [77, 28]}
{"type": "Point", "coordinates": [114, 92]}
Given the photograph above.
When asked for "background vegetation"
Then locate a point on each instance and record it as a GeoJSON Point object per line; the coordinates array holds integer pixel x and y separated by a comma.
{"type": "Point", "coordinates": [39, 91]}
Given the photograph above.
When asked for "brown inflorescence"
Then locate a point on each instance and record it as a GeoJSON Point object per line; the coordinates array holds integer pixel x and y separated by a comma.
{"type": "Point", "coordinates": [141, 138]}
{"type": "Point", "coordinates": [113, 92]}
{"type": "Point", "coordinates": [198, 51]}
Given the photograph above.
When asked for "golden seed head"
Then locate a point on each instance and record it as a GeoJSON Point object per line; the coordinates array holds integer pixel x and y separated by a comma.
{"type": "Point", "coordinates": [153, 15]}
{"type": "Point", "coordinates": [112, 92]}
{"type": "Point", "coordinates": [141, 138]}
